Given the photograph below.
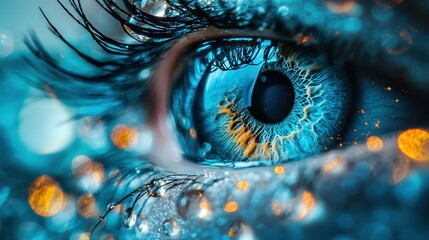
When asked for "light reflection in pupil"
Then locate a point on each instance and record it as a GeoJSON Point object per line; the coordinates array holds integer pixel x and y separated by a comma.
{"type": "Point", "coordinates": [273, 97]}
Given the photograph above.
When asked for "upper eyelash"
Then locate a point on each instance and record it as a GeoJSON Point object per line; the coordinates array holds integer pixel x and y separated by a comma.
{"type": "Point", "coordinates": [114, 85]}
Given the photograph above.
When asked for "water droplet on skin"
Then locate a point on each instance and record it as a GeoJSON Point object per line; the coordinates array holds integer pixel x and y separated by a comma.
{"type": "Point", "coordinates": [193, 204]}
{"type": "Point", "coordinates": [111, 206]}
{"type": "Point", "coordinates": [157, 188]}
{"type": "Point", "coordinates": [129, 218]}
{"type": "Point", "coordinates": [142, 224]}
{"type": "Point", "coordinates": [171, 228]}
{"type": "Point", "coordinates": [241, 231]}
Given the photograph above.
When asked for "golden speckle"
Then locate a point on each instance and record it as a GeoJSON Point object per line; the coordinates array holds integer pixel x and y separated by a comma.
{"type": "Point", "coordinates": [374, 144]}
{"type": "Point", "coordinates": [377, 124]}
{"type": "Point", "coordinates": [231, 207]}
{"type": "Point", "coordinates": [331, 165]}
{"type": "Point", "coordinates": [86, 206]}
{"type": "Point", "coordinates": [193, 133]}
{"type": "Point", "coordinates": [124, 137]}
{"type": "Point", "coordinates": [414, 143]}
{"type": "Point", "coordinates": [279, 170]}
{"type": "Point", "coordinates": [396, 100]}
{"type": "Point", "coordinates": [46, 198]}
{"type": "Point", "coordinates": [388, 89]}
{"type": "Point", "coordinates": [243, 185]}
{"type": "Point", "coordinates": [307, 203]}
{"type": "Point", "coordinates": [85, 236]}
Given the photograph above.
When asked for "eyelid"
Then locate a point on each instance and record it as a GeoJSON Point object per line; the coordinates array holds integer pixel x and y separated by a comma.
{"type": "Point", "coordinates": [167, 148]}
{"type": "Point", "coordinates": [166, 67]}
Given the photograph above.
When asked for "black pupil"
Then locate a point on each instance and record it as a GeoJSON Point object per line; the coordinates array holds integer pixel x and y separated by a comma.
{"type": "Point", "coordinates": [273, 97]}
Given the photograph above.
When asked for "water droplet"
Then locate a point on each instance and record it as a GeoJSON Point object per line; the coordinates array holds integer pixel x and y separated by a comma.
{"type": "Point", "coordinates": [111, 206]}
{"type": "Point", "coordinates": [135, 35]}
{"type": "Point", "coordinates": [241, 231]}
{"type": "Point", "coordinates": [129, 218]}
{"type": "Point", "coordinates": [153, 7]}
{"type": "Point", "coordinates": [157, 188]}
{"type": "Point", "coordinates": [193, 204]}
{"type": "Point", "coordinates": [142, 224]}
{"type": "Point", "coordinates": [171, 228]}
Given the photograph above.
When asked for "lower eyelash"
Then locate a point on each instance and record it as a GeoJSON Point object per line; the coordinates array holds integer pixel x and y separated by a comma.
{"type": "Point", "coordinates": [156, 187]}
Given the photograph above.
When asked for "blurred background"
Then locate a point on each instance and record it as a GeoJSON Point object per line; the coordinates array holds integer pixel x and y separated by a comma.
{"type": "Point", "coordinates": [41, 148]}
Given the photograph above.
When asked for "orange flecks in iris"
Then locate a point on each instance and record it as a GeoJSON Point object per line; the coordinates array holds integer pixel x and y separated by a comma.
{"type": "Point", "coordinates": [193, 133]}
{"type": "Point", "coordinates": [243, 185]}
{"type": "Point", "coordinates": [414, 143]}
{"type": "Point", "coordinates": [362, 111]}
{"type": "Point", "coordinates": [124, 137]}
{"type": "Point", "coordinates": [279, 170]}
{"type": "Point", "coordinates": [396, 100]}
{"type": "Point", "coordinates": [243, 136]}
{"type": "Point", "coordinates": [374, 144]}
{"type": "Point", "coordinates": [45, 197]}
{"type": "Point", "coordinates": [307, 204]}
{"type": "Point", "coordinates": [86, 206]}
{"type": "Point", "coordinates": [231, 207]}
{"type": "Point", "coordinates": [340, 6]}
{"type": "Point", "coordinates": [388, 89]}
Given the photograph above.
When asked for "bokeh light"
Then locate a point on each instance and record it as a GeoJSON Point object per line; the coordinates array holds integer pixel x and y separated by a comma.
{"type": "Point", "coordinates": [90, 175]}
{"type": "Point", "coordinates": [306, 204]}
{"type": "Point", "coordinates": [374, 144]}
{"type": "Point", "coordinates": [414, 143]}
{"type": "Point", "coordinates": [124, 137]}
{"type": "Point", "coordinates": [45, 197]}
{"type": "Point", "coordinates": [7, 43]}
{"type": "Point", "coordinates": [279, 170]}
{"type": "Point", "coordinates": [231, 207]}
{"type": "Point", "coordinates": [242, 185]}
{"type": "Point", "coordinates": [45, 126]}
{"type": "Point", "coordinates": [400, 169]}
{"type": "Point", "coordinates": [340, 6]}
{"type": "Point", "coordinates": [86, 206]}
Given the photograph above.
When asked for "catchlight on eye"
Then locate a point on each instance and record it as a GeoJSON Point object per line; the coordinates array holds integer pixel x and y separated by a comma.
{"type": "Point", "coordinates": [241, 99]}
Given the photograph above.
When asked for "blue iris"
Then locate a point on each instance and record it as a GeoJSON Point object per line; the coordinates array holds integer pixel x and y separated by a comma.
{"type": "Point", "coordinates": [251, 99]}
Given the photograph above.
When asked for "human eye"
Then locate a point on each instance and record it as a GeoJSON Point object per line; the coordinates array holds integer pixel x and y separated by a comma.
{"type": "Point", "coordinates": [331, 158]}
